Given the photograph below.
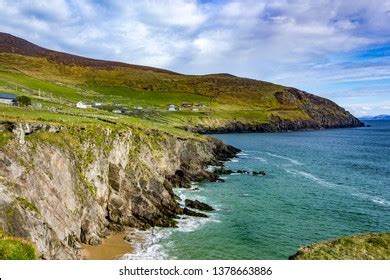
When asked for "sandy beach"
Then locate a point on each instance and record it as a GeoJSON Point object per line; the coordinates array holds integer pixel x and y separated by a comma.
{"type": "Point", "coordinates": [112, 247]}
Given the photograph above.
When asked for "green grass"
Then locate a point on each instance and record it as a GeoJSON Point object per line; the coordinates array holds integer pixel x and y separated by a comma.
{"type": "Point", "coordinates": [5, 137]}
{"type": "Point", "coordinates": [359, 247]}
{"type": "Point", "coordinates": [12, 248]}
{"type": "Point", "coordinates": [226, 99]}
{"type": "Point", "coordinates": [25, 203]}
{"type": "Point", "coordinates": [131, 96]}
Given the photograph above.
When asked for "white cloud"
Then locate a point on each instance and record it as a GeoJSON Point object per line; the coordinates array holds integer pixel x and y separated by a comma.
{"type": "Point", "coordinates": [300, 43]}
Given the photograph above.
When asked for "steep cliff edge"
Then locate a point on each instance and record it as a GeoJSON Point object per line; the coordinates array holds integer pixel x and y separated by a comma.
{"type": "Point", "coordinates": [317, 113]}
{"type": "Point", "coordinates": [61, 186]}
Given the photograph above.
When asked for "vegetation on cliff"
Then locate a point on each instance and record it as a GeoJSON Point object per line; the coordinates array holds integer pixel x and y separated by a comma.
{"type": "Point", "coordinates": [63, 185]}
{"type": "Point", "coordinates": [358, 247]}
{"type": "Point", "coordinates": [12, 248]}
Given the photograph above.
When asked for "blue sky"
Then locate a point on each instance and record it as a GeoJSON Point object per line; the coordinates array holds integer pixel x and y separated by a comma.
{"type": "Point", "coordinates": [336, 49]}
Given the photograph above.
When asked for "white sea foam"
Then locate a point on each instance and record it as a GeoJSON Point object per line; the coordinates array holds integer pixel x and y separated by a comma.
{"type": "Point", "coordinates": [312, 177]}
{"type": "Point", "coordinates": [211, 168]}
{"type": "Point", "coordinates": [234, 160]}
{"type": "Point", "coordinates": [293, 161]}
{"type": "Point", "coordinates": [375, 199]}
{"type": "Point", "coordinates": [150, 245]}
{"type": "Point", "coordinates": [147, 245]}
{"type": "Point", "coordinates": [261, 159]}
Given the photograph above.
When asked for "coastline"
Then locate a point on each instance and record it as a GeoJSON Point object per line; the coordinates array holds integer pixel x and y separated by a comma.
{"type": "Point", "coordinates": [112, 248]}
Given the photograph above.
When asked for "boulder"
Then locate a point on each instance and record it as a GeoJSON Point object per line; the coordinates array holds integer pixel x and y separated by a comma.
{"type": "Point", "coordinates": [258, 173]}
{"type": "Point", "coordinates": [242, 171]}
{"type": "Point", "coordinates": [189, 212]}
{"type": "Point", "coordinates": [223, 171]}
{"type": "Point", "coordinates": [196, 204]}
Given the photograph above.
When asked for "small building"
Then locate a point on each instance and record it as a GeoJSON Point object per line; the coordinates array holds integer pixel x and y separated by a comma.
{"type": "Point", "coordinates": [83, 105]}
{"type": "Point", "coordinates": [7, 98]}
{"type": "Point", "coordinates": [172, 108]}
{"type": "Point", "coordinates": [117, 111]}
{"type": "Point", "coordinates": [186, 105]}
{"type": "Point", "coordinates": [97, 104]}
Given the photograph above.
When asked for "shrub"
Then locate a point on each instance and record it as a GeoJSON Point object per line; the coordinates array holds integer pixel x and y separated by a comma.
{"type": "Point", "coordinates": [23, 101]}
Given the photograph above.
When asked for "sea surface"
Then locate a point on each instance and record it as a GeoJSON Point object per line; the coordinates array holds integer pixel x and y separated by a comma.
{"type": "Point", "coordinates": [319, 185]}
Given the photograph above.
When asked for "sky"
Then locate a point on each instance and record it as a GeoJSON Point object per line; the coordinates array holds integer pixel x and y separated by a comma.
{"type": "Point", "coordinates": [336, 49]}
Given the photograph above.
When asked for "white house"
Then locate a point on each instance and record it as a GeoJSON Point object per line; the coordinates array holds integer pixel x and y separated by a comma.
{"type": "Point", "coordinates": [172, 108]}
{"type": "Point", "coordinates": [83, 105]}
{"type": "Point", "coordinates": [7, 98]}
{"type": "Point", "coordinates": [117, 111]}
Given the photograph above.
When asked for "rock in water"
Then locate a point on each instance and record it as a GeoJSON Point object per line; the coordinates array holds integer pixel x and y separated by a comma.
{"type": "Point", "coordinates": [258, 173]}
{"type": "Point", "coordinates": [196, 204]}
{"type": "Point", "coordinates": [189, 212]}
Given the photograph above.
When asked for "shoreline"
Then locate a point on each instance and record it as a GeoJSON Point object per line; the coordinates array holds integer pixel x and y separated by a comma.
{"type": "Point", "coordinates": [112, 248]}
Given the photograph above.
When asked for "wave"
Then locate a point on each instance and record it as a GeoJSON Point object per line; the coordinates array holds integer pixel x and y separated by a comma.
{"type": "Point", "coordinates": [313, 178]}
{"type": "Point", "coordinates": [147, 245]}
{"type": "Point", "coordinates": [150, 245]}
{"type": "Point", "coordinates": [375, 199]}
{"type": "Point", "coordinates": [293, 161]}
{"type": "Point", "coordinates": [261, 159]}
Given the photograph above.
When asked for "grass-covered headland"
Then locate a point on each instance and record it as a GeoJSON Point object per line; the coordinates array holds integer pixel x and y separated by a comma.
{"type": "Point", "coordinates": [358, 247]}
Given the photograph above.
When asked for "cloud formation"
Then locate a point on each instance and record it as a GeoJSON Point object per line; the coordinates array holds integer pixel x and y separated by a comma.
{"type": "Point", "coordinates": [313, 45]}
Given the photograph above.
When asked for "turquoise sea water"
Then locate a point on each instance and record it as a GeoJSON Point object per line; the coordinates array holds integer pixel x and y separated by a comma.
{"type": "Point", "coordinates": [319, 185]}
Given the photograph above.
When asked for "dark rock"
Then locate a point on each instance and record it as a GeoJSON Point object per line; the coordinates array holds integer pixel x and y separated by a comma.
{"type": "Point", "coordinates": [242, 171]}
{"type": "Point", "coordinates": [223, 171]}
{"type": "Point", "coordinates": [189, 212]}
{"type": "Point", "coordinates": [179, 173]}
{"type": "Point", "coordinates": [196, 204]}
{"type": "Point", "coordinates": [258, 173]}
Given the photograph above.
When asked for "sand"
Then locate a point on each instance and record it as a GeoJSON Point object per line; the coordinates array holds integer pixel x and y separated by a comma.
{"type": "Point", "coordinates": [112, 247]}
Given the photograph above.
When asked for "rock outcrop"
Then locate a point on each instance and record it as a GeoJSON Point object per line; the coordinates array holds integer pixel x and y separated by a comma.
{"type": "Point", "coordinates": [64, 186]}
{"type": "Point", "coordinates": [196, 204]}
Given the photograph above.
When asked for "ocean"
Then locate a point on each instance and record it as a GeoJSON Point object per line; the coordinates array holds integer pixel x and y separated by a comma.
{"type": "Point", "coordinates": [319, 185]}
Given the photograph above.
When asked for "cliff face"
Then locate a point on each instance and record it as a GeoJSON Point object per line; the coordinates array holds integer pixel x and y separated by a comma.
{"type": "Point", "coordinates": [63, 186]}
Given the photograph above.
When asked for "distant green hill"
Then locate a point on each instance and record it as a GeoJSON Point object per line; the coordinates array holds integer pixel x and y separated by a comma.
{"type": "Point", "coordinates": [209, 103]}
{"type": "Point", "coordinates": [376, 118]}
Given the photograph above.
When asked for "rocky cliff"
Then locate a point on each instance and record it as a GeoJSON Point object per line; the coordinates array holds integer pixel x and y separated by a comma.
{"type": "Point", "coordinates": [64, 186]}
{"type": "Point", "coordinates": [317, 112]}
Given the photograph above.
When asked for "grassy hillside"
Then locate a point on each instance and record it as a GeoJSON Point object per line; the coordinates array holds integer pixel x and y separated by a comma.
{"type": "Point", "coordinates": [359, 247]}
{"type": "Point", "coordinates": [58, 81]}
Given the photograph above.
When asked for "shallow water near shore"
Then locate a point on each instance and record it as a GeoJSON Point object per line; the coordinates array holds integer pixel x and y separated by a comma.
{"type": "Point", "coordinates": [319, 185]}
